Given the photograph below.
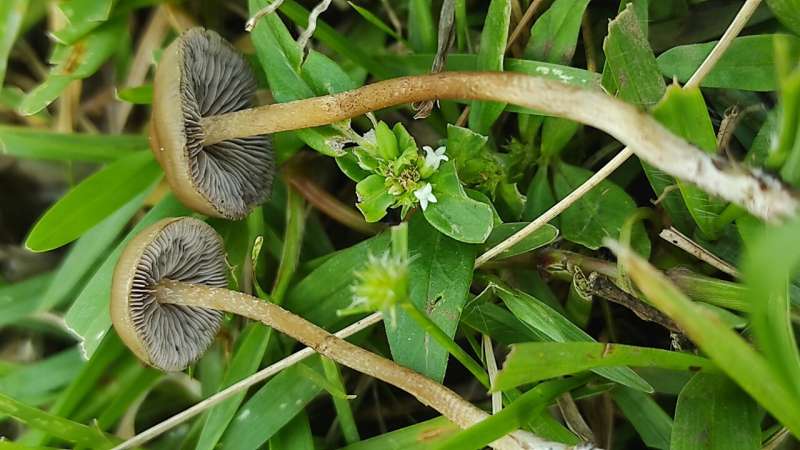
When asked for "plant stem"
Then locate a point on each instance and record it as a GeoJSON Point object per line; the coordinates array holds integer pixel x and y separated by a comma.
{"type": "Point", "coordinates": [761, 195]}
{"type": "Point", "coordinates": [445, 341]}
{"type": "Point", "coordinates": [433, 394]}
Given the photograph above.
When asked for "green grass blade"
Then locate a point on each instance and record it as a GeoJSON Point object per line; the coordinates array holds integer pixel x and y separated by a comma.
{"type": "Point", "coordinates": [727, 349]}
{"type": "Point", "coordinates": [490, 58]}
{"type": "Point", "coordinates": [24, 142]}
{"type": "Point", "coordinates": [714, 414]}
{"type": "Point", "coordinates": [94, 199]}
{"type": "Point", "coordinates": [11, 14]}
{"type": "Point", "coordinates": [650, 421]}
{"type": "Point", "coordinates": [535, 361]}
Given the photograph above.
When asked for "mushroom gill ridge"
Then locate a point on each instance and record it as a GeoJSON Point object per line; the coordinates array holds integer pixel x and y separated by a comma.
{"type": "Point", "coordinates": [236, 174]}
{"type": "Point", "coordinates": [176, 336]}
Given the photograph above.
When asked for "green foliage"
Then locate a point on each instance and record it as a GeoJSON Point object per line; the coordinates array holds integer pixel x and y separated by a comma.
{"type": "Point", "coordinates": [565, 319]}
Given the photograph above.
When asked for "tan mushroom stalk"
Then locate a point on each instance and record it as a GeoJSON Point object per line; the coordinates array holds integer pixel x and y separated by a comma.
{"type": "Point", "coordinates": [761, 195]}
{"type": "Point", "coordinates": [168, 291]}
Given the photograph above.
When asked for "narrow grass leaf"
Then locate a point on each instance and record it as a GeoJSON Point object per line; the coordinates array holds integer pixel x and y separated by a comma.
{"type": "Point", "coordinates": [748, 64]}
{"type": "Point", "coordinates": [137, 95]}
{"type": "Point", "coordinates": [421, 29]}
{"type": "Point", "coordinates": [558, 328]}
{"type": "Point", "coordinates": [530, 362]}
{"type": "Point", "coordinates": [20, 299]}
{"type": "Point", "coordinates": [650, 421]}
{"type": "Point", "coordinates": [81, 17]}
{"type": "Point", "coordinates": [93, 200]}
{"type": "Point", "coordinates": [295, 435]}
{"type": "Point", "coordinates": [631, 71]}
{"type": "Point", "coordinates": [77, 61]}
{"type": "Point", "coordinates": [554, 36]}
{"type": "Point", "coordinates": [59, 427]}
{"type": "Point", "coordinates": [768, 267]}
{"type": "Point", "coordinates": [727, 349]}
{"type": "Point", "coordinates": [375, 20]}
{"type": "Point", "coordinates": [684, 112]}
{"type": "Point", "coordinates": [787, 12]}
{"type": "Point", "coordinates": [85, 254]}
{"type": "Point", "coordinates": [539, 238]}
{"type": "Point", "coordinates": [30, 143]}
{"type": "Point", "coordinates": [440, 274]}
{"type": "Point", "coordinates": [344, 412]}
{"type": "Point", "coordinates": [37, 382]}
{"type": "Point", "coordinates": [511, 417]}
{"type": "Point", "coordinates": [11, 15]}
{"type": "Point", "coordinates": [425, 435]}
{"type": "Point", "coordinates": [490, 58]}
{"type": "Point", "coordinates": [269, 409]}
{"type": "Point", "coordinates": [714, 414]}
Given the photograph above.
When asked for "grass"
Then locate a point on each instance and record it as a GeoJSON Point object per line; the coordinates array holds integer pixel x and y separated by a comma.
{"type": "Point", "coordinates": [518, 223]}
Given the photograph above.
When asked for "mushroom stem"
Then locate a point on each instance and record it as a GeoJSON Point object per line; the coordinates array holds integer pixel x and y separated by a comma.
{"type": "Point", "coordinates": [435, 395]}
{"type": "Point", "coordinates": [761, 195]}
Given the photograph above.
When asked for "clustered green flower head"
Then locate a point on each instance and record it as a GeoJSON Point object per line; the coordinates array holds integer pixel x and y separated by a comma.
{"type": "Point", "coordinates": [399, 172]}
{"type": "Point", "coordinates": [380, 285]}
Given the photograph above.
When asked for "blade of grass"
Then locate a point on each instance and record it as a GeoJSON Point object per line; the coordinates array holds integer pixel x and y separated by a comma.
{"type": "Point", "coordinates": [535, 361]}
{"type": "Point", "coordinates": [727, 349]}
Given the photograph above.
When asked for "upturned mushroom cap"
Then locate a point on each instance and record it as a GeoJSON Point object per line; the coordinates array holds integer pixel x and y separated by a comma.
{"type": "Point", "coordinates": [167, 336]}
{"type": "Point", "coordinates": [201, 75]}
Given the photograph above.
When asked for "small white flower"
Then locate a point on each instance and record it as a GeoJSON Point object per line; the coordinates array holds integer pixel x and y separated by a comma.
{"type": "Point", "coordinates": [425, 195]}
{"type": "Point", "coordinates": [434, 157]}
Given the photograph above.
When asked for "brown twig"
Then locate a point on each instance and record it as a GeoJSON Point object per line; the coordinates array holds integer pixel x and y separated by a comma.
{"type": "Point", "coordinates": [603, 287]}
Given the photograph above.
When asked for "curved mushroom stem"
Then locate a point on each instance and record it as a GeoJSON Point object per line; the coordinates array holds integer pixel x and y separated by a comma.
{"type": "Point", "coordinates": [761, 195]}
{"type": "Point", "coordinates": [435, 395]}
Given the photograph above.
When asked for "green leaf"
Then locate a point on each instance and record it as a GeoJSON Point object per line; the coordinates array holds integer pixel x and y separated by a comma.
{"type": "Point", "coordinates": [325, 290]}
{"type": "Point", "coordinates": [732, 354]}
{"type": "Point", "coordinates": [77, 61]}
{"type": "Point", "coordinates": [137, 95]}
{"type": "Point", "coordinates": [494, 38]}
{"type": "Point", "coordinates": [250, 348]}
{"type": "Point", "coordinates": [421, 29]}
{"type": "Point", "coordinates": [538, 316]}
{"type": "Point", "coordinates": [768, 267]}
{"type": "Point", "coordinates": [295, 435]}
{"type": "Point", "coordinates": [88, 317]}
{"type": "Point", "coordinates": [531, 362]}
{"type": "Point", "coordinates": [631, 71]}
{"type": "Point", "coordinates": [439, 277]}
{"type": "Point", "coordinates": [37, 382]}
{"type": "Point", "coordinates": [375, 20]}
{"type": "Point", "coordinates": [348, 164]}
{"type": "Point", "coordinates": [454, 213]}
{"type": "Point", "coordinates": [555, 34]}
{"type": "Point", "coordinates": [748, 64]}
{"type": "Point", "coordinates": [57, 426]}
{"type": "Point", "coordinates": [24, 142]}
{"type": "Point", "coordinates": [539, 238]}
{"type": "Point", "coordinates": [473, 159]}
{"type": "Point", "coordinates": [16, 299]}
{"type": "Point", "coordinates": [269, 409]}
{"type": "Point", "coordinates": [512, 417]}
{"type": "Point", "coordinates": [600, 213]}
{"type": "Point", "coordinates": [81, 17]}
{"type": "Point", "coordinates": [425, 435]}
{"type": "Point", "coordinates": [787, 12]}
{"type": "Point", "coordinates": [714, 414]}
{"type": "Point", "coordinates": [684, 112]}
{"type": "Point", "coordinates": [540, 196]}
{"type": "Point", "coordinates": [87, 251]}
{"type": "Point", "coordinates": [649, 420]}
{"type": "Point", "coordinates": [91, 201]}
{"type": "Point", "coordinates": [556, 134]}
{"type": "Point", "coordinates": [373, 198]}
{"type": "Point", "coordinates": [11, 14]}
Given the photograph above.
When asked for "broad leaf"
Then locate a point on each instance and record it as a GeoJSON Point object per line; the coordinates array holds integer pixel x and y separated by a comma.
{"type": "Point", "coordinates": [454, 213]}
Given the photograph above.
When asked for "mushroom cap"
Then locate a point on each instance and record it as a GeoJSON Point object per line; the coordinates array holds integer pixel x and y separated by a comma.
{"type": "Point", "coordinates": [202, 75]}
{"type": "Point", "coordinates": [167, 336]}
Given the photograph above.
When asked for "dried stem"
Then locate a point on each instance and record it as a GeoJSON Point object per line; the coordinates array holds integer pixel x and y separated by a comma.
{"type": "Point", "coordinates": [681, 241]}
{"type": "Point", "coordinates": [433, 394]}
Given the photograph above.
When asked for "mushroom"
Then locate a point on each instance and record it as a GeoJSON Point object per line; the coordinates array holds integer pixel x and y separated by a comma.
{"type": "Point", "coordinates": [202, 75]}
{"type": "Point", "coordinates": [166, 302]}
{"type": "Point", "coordinates": [214, 168]}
